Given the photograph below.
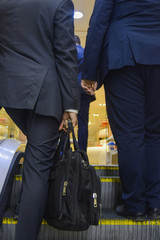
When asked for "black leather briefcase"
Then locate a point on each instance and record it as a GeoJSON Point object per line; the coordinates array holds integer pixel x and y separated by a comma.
{"type": "Point", "coordinates": [74, 195]}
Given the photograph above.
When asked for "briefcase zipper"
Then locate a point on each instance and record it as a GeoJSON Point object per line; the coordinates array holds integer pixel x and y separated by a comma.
{"type": "Point", "coordinates": [65, 188]}
{"type": "Point", "coordinates": [95, 196]}
{"type": "Point", "coordinates": [65, 184]}
{"type": "Point", "coordinates": [95, 200]}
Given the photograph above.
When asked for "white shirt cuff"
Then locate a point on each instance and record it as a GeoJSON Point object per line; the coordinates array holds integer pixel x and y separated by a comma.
{"type": "Point", "coordinates": [72, 110]}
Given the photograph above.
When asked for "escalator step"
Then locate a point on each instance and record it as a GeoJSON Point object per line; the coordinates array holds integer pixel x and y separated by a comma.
{"type": "Point", "coordinates": [108, 229]}
{"type": "Point", "coordinates": [104, 170]}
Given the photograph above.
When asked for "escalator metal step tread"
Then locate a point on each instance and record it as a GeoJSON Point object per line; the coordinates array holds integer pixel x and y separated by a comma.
{"type": "Point", "coordinates": [104, 170]}
{"type": "Point", "coordinates": [111, 227]}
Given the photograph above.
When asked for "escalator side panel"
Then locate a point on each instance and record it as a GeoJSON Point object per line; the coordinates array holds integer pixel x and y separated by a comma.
{"type": "Point", "coordinates": [9, 160]}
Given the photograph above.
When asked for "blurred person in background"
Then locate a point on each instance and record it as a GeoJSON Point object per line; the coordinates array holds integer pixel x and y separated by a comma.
{"type": "Point", "coordinates": [86, 99]}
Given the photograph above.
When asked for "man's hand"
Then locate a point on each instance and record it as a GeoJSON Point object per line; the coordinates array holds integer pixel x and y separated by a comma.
{"type": "Point", "coordinates": [89, 86]}
{"type": "Point", "coordinates": [66, 116]}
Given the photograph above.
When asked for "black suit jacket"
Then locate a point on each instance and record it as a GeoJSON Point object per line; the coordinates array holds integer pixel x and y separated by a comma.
{"type": "Point", "coordinates": [38, 61]}
{"type": "Point", "coordinates": [121, 33]}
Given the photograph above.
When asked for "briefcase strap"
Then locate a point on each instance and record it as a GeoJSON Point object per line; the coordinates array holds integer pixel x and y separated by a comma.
{"type": "Point", "coordinates": [64, 143]}
{"type": "Point", "coordinates": [70, 128]}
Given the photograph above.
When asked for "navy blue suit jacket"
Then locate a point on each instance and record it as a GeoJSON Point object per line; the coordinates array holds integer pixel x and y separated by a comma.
{"type": "Point", "coordinates": [121, 33]}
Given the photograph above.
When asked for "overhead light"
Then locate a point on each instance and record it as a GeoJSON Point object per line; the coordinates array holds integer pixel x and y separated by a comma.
{"type": "Point", "coordinates": [102, 104]}
{"type": "Point", "coordinates": [78, 14]}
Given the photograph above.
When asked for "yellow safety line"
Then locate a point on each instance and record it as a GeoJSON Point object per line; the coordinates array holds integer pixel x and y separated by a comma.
{"type": "Point", "coordinates": [9, 221]}
{"type": "Point", "coordinates": [115, 222]}
{"type": "Point", "coordinates": [103, 179]}
{"type": "Point", "coordinates": [106, 168]}
{"type": "Point", "coordinates": [128, 222]}
{"type": "Point", "coordinates": [18, 177]}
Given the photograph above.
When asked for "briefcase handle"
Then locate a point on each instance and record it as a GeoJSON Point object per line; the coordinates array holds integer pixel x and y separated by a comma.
{"type": "Point", "coordinates": [75, 143]}
{"type": "Point", "coordinates": [85, 160]}
{"type": "Point", "coordinates": [64, 141]}
{"type": "Point", "coordinates": [60, 146]}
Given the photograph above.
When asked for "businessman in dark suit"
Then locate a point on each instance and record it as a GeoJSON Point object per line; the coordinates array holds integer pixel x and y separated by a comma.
{"type": "Point", "coordinates": [123, 53]}
{"type": "Point", "coordinates": [86, 99]}
{"type": "Point", "coordinates": [39, 90]}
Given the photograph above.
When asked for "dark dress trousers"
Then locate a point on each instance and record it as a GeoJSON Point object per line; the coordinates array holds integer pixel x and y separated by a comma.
{"type": "Point", "coordinates": [123, 52]}
{"type": "Point", "coordinates": [38, 81]}
{"type": "Point", "coordinates": [86, 99]}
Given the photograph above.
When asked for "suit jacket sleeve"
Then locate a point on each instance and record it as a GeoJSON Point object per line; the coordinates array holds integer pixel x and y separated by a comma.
{"type": "Point", "coordinates": [66, 55]}
{"type": "Point", "coordinates": [98, 26]}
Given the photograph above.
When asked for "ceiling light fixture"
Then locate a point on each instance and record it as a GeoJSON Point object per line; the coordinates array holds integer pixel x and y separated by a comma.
{"type": "Point", "coordinates": [78, 15]}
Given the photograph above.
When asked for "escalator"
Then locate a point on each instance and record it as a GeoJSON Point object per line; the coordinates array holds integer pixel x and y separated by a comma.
{"type": "Point", "coordinates": [111, 226]}
{"type": "Point", "coordinates": [10, 156]}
